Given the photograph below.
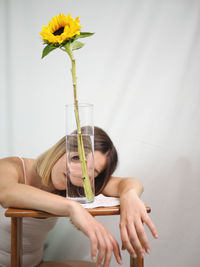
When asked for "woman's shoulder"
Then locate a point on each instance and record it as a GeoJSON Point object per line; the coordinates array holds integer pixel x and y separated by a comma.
{"type": "Point", "coordinates": [11, 165]}
{"type": "Point", "coordinates": [14, 161]}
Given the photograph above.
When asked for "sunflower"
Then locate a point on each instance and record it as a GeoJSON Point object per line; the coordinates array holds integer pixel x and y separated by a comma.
{"type": "Point", "coordinates": [60, 29]}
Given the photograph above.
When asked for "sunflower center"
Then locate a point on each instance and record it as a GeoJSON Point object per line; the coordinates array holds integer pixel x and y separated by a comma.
{"type": "Point", "coordinates": [59, 31]}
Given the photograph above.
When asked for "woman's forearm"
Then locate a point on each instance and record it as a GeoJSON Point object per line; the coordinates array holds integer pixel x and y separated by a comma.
{"type": "Point", "coordinates": [128, 184]}
{"type": "Point", "coordinates": [25, 196]}
{"type": "Point", "coordinates": [118, 186]}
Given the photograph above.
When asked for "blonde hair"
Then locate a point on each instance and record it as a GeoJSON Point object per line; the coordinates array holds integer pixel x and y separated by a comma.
{"type": "Point", "coordinates": [46, 161]}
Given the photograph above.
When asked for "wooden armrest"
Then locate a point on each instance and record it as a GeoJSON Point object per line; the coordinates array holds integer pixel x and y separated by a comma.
{"type": "Point", "coordinates": [16, 212]}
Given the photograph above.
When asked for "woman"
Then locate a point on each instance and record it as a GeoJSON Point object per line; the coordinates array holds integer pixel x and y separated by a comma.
{"type": "Point", "coordinates": [39, 184]}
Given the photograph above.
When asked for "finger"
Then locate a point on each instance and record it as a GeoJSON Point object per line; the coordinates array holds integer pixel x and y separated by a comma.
{"type": "Point", "coordinates": [134, 240]}
{"type": "Point", "coordinates": [101, 248]}
{"type": "Point", "coordinates": [93, 245]}
{"type": "Point", "coordinates": [116, 251]}
{"type": "Point", "coordinates": [142, 236]}
{"type": "Point", "coordinates": [126, 242]}
{"type": "Point", "coordinates": [151, 226]}
{"type": "Point", "coordinates": [111, 246]}
{"type": "Point", "coordinates": [108, 253]}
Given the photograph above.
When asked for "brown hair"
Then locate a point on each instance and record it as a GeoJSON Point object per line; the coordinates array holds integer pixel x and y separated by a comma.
{"type": "Point", "coordinates": [102, 143]}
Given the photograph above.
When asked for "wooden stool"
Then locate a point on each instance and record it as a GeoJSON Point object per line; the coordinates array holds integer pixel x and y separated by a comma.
{"type": "Point", "coordinates": [17, 229]}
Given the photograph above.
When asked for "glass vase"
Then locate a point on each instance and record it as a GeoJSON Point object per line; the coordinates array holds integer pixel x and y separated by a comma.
{"type": "Point", "coordinates": [77, 188]}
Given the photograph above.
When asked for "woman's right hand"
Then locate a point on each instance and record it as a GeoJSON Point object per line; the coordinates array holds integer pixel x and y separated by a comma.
{"type": "Point", "coordinates": [101, 239]}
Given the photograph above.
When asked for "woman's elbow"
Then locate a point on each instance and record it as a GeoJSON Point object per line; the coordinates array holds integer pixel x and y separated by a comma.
{"type": "Point", "coordinates": [3, 201]}
{"type": "Point", "coordinates": [4, 198]}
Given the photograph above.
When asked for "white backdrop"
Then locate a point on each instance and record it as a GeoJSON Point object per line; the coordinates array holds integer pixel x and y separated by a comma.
{"type": "Point", "coordinates": [141, 72]}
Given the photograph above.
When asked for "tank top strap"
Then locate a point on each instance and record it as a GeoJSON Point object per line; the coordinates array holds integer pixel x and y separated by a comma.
{"type": "Point", "coordinates": [24, 169]}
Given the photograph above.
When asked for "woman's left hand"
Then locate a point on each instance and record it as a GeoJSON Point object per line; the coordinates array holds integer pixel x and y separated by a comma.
{"type": "Point", "coordinates": [133, 215]}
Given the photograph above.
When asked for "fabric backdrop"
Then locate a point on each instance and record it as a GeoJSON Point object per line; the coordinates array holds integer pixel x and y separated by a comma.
{"type": "Point", "coordinates": [141, 72]}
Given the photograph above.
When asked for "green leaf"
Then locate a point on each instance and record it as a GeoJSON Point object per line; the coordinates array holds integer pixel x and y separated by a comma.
{"type": "Point", "coordinates": [48, 48]}
{"type": "Point", "coordinates": [84, 35]}
{"type": "Point", "coordinates": [76, 45]}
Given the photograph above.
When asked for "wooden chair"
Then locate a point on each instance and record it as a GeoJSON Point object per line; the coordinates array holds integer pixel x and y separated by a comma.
{"type": "Point", "coordinates": [17, 230]}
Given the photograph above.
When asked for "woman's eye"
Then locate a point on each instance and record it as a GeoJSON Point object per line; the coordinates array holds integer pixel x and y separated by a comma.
{"type": "Point", "coordinates": [75, 158]}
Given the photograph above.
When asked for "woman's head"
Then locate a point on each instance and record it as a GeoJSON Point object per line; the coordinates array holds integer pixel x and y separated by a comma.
{"type": "Point", "coordinates": [102, 143]}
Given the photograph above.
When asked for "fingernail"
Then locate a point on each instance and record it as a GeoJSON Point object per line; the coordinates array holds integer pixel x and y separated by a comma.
{"type": "Point", "coordinates": [156, 235]}
{"type": "Point", "coordinates": [148, 251]}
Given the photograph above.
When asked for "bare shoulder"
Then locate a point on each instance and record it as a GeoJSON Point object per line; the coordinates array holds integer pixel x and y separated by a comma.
{"type": "Point", "coordinates": [11, 174]}
{"type": "Point", "coordinates": [11, 169]}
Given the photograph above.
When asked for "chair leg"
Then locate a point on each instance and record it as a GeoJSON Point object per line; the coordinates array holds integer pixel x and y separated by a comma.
{"type": "Point", "coordinates": [16, 242]}
{"type": "Point", "coordinates": [136, 262]}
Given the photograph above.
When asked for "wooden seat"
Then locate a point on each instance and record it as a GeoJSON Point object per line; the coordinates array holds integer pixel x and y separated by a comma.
{"type": "Point", "coordinates": [17, 229]}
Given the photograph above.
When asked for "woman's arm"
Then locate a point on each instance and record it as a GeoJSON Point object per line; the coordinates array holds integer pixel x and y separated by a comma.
{"type": "Point", "coordinates": [15, 194]}
{"type": "Point", "coordinates": [132, 214]}
{"type": "Point", "coordinates": [118, 186]}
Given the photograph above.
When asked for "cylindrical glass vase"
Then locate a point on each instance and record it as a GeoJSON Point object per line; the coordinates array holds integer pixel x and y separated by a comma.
{"type": "Point", "coordinates": [76, 187]}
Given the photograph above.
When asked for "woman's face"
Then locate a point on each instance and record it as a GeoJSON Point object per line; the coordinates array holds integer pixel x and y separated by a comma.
{"type": "Point", "coordinates": [73, 166]}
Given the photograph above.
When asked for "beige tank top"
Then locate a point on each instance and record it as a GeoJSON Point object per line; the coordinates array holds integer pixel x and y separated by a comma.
{"type": "Point", "coordinates": [34, 234]}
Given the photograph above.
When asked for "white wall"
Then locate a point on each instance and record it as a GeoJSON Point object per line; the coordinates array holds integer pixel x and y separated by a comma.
{"type": "Point", "coordinates": [141, 71]}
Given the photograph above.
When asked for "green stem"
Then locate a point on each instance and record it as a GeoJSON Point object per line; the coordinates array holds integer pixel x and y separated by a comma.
{"type": "Point", "coordinates": [86, 181]}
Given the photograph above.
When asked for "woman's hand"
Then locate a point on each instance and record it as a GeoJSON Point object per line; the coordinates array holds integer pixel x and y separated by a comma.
{"type": "Point", "coordinates": [100, 238]}
{"type": "Point", "coordinates": [133, 215]}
